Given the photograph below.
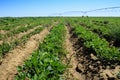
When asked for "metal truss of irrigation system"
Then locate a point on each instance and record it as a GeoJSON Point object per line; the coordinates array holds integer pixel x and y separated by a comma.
{"type": "Point", "coordinates": [85, 12]}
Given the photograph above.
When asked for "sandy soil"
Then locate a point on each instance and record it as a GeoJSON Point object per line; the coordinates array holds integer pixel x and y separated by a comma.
{"type": "Point", "coordinates": [17, 56]}
{"type": "Point", "coordinates": [18, 36]}
{"type": "Point", "coordinates": [71, 72]}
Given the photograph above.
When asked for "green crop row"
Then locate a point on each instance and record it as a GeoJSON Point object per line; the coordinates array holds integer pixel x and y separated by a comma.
{"type": "Point", "coordinates": [97, 44]}
{"type": "Point", "coordinates": [17, 31]}
{"type": "Point", "coordinates": [6, 47]}
{"type": "Point", "coordinates": [105, 28]}
{"type": "Point", "coordinates": [45, 64]}
{"type": "Point", "coordinates": [26, 24]}
{"type": "Point", "coordinates": [10, 23]}
{"type": "Point", "coordinates": [102, 30]}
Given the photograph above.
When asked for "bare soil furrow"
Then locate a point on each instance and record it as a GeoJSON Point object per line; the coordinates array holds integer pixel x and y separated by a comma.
{"type": "Point", "coordinates": [18, 36]}
{"type": "Point", "coordinates": [72, 74]}
{"type": "Point", "coordinates": [17, 56]}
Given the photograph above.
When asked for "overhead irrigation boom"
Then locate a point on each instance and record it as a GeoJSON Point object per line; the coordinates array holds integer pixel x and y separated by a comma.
{"type": "Point", "coordinates": [89, 11]}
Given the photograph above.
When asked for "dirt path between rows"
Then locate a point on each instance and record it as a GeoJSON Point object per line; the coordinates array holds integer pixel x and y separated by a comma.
{"type": "Point", "coordinates": [18, 36]}
{"type": "Point", "coordinates": [17, 56]}
{"type": "Point", "coordinates": [6, 31]}
{"type": "Point", "coordinates": [24, 33]}
{"type": "Point", "coordinates": [86, 64]}
{"type": "Point", "coordinates": [3, 32]}
{"type": "Point", "coordinates": [72, 74]}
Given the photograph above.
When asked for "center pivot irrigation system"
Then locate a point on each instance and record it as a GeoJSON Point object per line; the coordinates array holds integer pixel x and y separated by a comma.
{"type": "Point", "coordinates": [107, 9]}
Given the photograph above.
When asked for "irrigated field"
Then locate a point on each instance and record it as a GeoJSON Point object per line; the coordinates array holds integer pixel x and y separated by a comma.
{"type": "Point", "coordinates": [60, 48]}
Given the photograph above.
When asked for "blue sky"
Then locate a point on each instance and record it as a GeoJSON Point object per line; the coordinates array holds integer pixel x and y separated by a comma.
{"type": "Point", "coordinates": [16, 8]}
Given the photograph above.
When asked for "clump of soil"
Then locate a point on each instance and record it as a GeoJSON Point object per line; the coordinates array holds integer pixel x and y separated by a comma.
{"type": "Point", "coordinates": [71, 73]}
{"type": "Point", "coordinates": [90, 66]}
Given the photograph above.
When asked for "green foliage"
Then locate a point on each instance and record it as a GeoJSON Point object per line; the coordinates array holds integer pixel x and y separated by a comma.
{"type": "Point", "coordinates": [118, 75]}
{"type": "Point", "coordinates": [26, 37]}
{"type": "Point", "coordinates": [37, 31]}
{"type": "Point", "coordinates": [114, 32]}
{"type": "Point", "coordinates": [21, 29]}
{"type": "Point", "coordinates": [53, 42]}
{"type": "Point", "coordinates": [41, 66]}
{"type": "Point", "coordinates": [4, 48]}
{"type": "Point", "coordinates": [44, 63]}
{"type": "Point", "coordinates": [26, 23]}
{"type": "Point", "coordinates": [1, 36]}
{"type": "Point", "coordinates": [99, 45]}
